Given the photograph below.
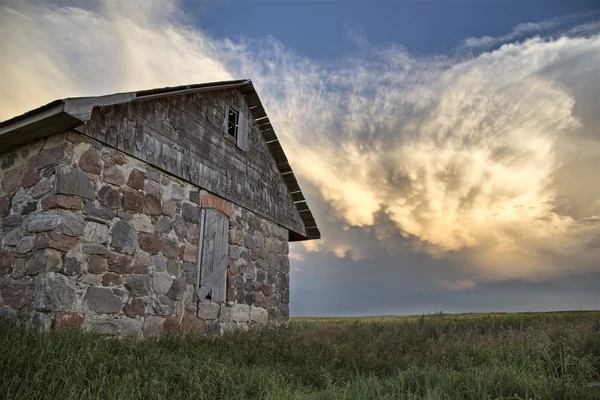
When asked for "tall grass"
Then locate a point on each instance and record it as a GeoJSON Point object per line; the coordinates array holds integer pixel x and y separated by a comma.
{"type": "Point", "coordinates": [512, 356]}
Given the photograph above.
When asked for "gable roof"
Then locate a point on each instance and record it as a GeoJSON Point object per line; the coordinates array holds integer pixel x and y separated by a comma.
{"type": "Point", "coordinates": [69, 113]}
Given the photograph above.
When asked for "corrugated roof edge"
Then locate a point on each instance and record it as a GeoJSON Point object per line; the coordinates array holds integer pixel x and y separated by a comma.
{"type": "Point", "coordinates": [80, 108]}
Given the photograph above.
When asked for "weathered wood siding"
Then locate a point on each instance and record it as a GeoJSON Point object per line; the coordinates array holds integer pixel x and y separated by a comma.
{"type": "Point", "coordinates": [183, 134]}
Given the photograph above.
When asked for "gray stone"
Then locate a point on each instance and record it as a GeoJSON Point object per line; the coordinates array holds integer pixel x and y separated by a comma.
{"type": "Point", "coordinates": [177, 289]}
{"type": "Point", "coordinates": [240, 313]}
{"type": "Point", "coordinates": [163, 225]}
{"type": "Point", "coordinates": [208, 310]}
{"type": "Point", "coordinates": [62, 221]}
{"type": "Point", "coordinates": [91, 279]}
{"type": "Point", "coordinates": [249, 241]}
{"type": "Point", "coordinates": [41, 188]}
{"type": "Point", "coordinates": [100, 212]}
{"type": "Point", "coordinates": [153, 326]}
{"type": "Point", "coordinates": [19, 201]}
{"type": "Point", "coordinates": [189, 212]}
{"type": "Point", "coordinates": [71, 266]}
{"type": "Point", "coordinates": [188, 271]}
{"type": "Point", "coordinates": [163, 305]}
{"type": "Point", "coordinates": [14, 220]}
{"type": "Point", "coordinates": [54, 156]}
{"type": "Point", "coordinates": [124, 238]}
{"type": "Point", "coordinates": [29, 208]}
{"type": "Point", "coordinates": [104, 324]}
{"type": "Point", "coordinates": [12, 238]}
{"type": "Point", "coordinates": [95, 232]}
{"type": "Point", "coordinates": [46, 260]}
{"type": "Point", "coordinates": [158, 262]}
{"type": "Point", "coordinates": [129, 327]}
{"type": "Point", "coordinates": [75, 182]}
{"type": "Point", "coordinates": [161, 282]}
{"type": "Point", "coordinates": [39, 321]}
{"type": "Point", "coordinates": [177, 192]}
{"type": "Point", "coordinates": [102, 300]}
{"type": "Point", "coordinates": [25, 245]}
{"type": "Point", "coordinates": [179, 226]}
{"type": "Point", "coordinates": [54, 292]}
{"type": "Point", "coordinates": [259, 315]}
{"type": "Point", "coordinates": [195, 197]}
{"type": "Point", "coordinates": [142, 223]}
{"type": "Point", "coordinates": [138, 285]}
{"type": "Point", "coordinates": [18, 269]}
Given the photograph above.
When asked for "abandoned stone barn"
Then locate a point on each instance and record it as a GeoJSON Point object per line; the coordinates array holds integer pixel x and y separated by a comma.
{"type": "Point", "coordinates": [148, 213]}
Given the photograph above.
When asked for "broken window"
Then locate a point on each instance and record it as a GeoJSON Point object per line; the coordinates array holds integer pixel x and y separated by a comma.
{"type": "Point", "coordinates": [213, 257]}
{"type": "Point", "coordinates": [235, 126]}
{"type": "Point", "coordinates": [232, 122]}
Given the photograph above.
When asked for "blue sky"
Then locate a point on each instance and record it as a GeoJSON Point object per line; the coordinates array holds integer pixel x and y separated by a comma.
{"type": "Point", "coordinates": [330, 29]}
{"type": "Point", "coordinates": [448, 150]}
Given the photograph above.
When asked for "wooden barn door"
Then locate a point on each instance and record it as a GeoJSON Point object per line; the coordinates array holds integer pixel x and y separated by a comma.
{"type": "Point", "coordinates": [213, 257]}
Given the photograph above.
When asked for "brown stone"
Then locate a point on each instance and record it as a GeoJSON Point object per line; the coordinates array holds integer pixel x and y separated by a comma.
{"type": "Point", "coordinates": [191, 233]}
{"type": "Point", "coordinates": [260, 300]}
{"type": "Point", "coordinates": [169, 208]}
{"type": "Point", "coordinates": [231, 293]}
{"type": "Point", "coordinates": [90, 162]}
{"type": "Point", "coordinates": [136, 179]}
{"type": "Point", "coordinates": [114, 175]}
{"type": "Point", "coordinates": [171, 325]}
{"type": "Point", "coordinates": [120, 263]}
{"type": "Point", "coordinates": [211, 201]}
{"type": "Point", "coordinates": [62, 201]}
{"type": "Point", "coordinates": [31, 175]}
{"type": "Point", "coordinates": [6, 260]}
{"type": "Point", "coordinates": [66, 321]}
{"type": "Point", "coordinates": [170, 248]}
{"type": "Point", "coordinates": [11, 181]}
{"type": "Point", "coordinates": [4, 205]}
{"type": "Point", "coordinates": [111, 279]}
{"type": "Point", "coordinates": [17, 294]}
{"type": "Point", "coordinates": [76, 138]}
{"type": "Point", "coordinates": [152, 205]}
{"type": "Point", "coordinates": [55, 240]}
{"type": "Point", "coordinates": [110, 197]}
{"type": "Point", "coordinates": [136, 307]}
{"type": "Point", "coordinates": [153, 189]}
{"type": "Point", "coordinates": [149, 242]}
{"type": "Point", "coordinates": [192, 325]}
{"type": "Point", "coordinates": [266, 289]}
{"type": "Point", "coordinates": [189, 253]}
{"type": "Point", "coordinates": [133, 201]}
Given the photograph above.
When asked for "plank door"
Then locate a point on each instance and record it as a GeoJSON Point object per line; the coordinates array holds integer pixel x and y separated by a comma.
{"type": "Point", "coordinates": [213, 257]}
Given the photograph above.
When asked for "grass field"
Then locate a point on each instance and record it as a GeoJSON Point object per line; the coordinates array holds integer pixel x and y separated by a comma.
{"type": "Point", "coordinates": [494, 356]}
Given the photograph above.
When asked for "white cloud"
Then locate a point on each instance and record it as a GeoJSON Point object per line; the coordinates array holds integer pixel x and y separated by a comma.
{"type": "Point", "coordinates": [459, 155]}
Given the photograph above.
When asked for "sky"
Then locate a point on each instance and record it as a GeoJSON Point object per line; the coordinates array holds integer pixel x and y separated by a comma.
{"type": "Point", "coordinates": [450, 151]}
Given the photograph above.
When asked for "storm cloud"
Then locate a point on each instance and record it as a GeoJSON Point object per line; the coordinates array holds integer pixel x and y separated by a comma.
{"type": "Point", "coordinates": [483, 163]}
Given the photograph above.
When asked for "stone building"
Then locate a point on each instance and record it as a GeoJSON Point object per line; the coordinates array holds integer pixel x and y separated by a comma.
{"type": "Point", "coordinates": [142, 213]}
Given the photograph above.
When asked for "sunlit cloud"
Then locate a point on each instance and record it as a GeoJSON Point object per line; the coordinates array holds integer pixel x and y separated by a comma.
{"type": "Point", "coordinates": [468, 159]}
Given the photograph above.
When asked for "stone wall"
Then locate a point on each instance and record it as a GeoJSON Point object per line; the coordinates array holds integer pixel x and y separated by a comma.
{"type": "Point", "coordinates": [92, 237]}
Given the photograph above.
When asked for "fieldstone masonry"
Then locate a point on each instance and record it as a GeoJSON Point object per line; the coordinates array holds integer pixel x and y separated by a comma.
{"type": "Point", "coordinates": [93, 238]}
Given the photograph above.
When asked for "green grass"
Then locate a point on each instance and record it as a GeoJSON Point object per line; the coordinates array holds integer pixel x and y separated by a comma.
{"type": "Point", "coordinates": [493, 356]}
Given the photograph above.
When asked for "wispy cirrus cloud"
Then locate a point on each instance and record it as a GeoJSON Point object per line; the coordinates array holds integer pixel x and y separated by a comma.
{"type": "Point", "coordinates": [459, 158]}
